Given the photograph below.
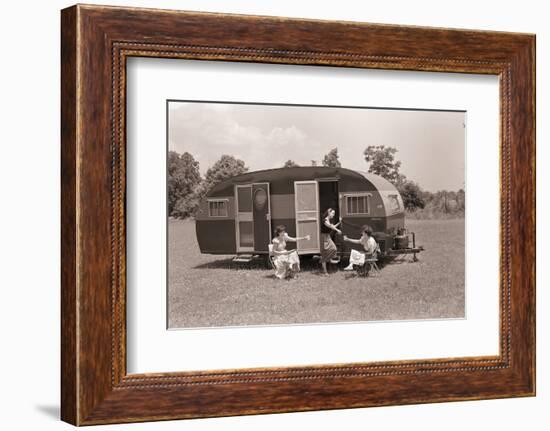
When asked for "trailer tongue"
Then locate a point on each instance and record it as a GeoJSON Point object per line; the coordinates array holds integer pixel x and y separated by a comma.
{"type": "Point", "coordinates": [401, 245]}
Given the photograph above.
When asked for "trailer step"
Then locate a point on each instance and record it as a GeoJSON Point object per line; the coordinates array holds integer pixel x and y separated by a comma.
{"type": "Point", "coordinates": [243, 258]}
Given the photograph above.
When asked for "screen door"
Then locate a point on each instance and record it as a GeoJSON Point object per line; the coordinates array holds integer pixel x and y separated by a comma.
{"type": "Point", "coordinates": [306, 196]}
{"type": "Point", "coordinates": [244, 220]}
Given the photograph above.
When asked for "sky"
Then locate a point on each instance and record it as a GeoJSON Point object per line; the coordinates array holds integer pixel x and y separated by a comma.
{"type": "Point", "coordinates": [430, 144]}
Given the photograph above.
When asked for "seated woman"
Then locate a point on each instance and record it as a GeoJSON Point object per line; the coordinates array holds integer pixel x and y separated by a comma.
{"type": "Point", "coordinates": [369, 244]}
{"type": "Point", "coordinates": [287, 263]}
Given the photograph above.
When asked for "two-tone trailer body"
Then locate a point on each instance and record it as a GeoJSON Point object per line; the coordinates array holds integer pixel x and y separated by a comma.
{"type": "Point", "coordinates": [238, 215]}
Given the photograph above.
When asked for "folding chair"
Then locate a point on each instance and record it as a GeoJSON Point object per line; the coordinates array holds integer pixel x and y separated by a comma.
{"type": "Point", "coordinates": [271, 256]}
{"type": "Point", "coordinates": [371, 264]}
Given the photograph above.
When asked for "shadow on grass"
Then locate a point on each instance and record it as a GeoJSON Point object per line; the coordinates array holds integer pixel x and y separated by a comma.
{"type": "Point", "coordinates": [259, 264]}
{"type": "Point", "coordinates": [307, 264]}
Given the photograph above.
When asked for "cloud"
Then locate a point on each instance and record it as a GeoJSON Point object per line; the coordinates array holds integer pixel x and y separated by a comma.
{"type": "Point", "coordinates": [208, 132]}
{"type": "Point", "coordinates": [430, 144]}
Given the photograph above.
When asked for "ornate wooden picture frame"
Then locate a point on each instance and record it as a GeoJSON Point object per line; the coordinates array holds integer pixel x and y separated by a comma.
{"type": "Point", "coordinates": [96, 42]}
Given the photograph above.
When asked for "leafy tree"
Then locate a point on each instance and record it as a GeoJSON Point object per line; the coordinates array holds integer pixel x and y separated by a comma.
{"type": "Point", "coordinates": [428, 197]}
{"type": "Point", "coordinates": [381, 160]}
{"type": "Point", "coordinates": [447, 201]}
{"type": "Point", "coordinates": [314, 163]}
{"type": "Point", "coordinates": [331, 159]}
{"type": "Point", "coordinates": [412, 195]}
{"type": "Point", "coordinates": [225, 167]}
{"type": "Point", "coordinates": [461, 199]}
{"type": "Point", "coordinates": [290, 164]}
{"type": "Point", "coordinates": [183, 179]}
{"type": "Point", "coordinates": [186, 206]}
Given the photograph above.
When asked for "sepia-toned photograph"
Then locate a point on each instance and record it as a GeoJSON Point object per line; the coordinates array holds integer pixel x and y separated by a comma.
{"type": "Point", "coordinates": [307, 214]}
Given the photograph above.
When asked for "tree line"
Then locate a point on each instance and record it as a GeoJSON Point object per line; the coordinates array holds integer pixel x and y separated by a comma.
{"type": "Point", "coordinates": [418, 202]}
{"type": "Point", "coordinates": [186, 186]}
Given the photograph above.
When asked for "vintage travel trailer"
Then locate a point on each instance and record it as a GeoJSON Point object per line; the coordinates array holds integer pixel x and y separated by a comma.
{"type": "Point", "coordinates": [238, 216]}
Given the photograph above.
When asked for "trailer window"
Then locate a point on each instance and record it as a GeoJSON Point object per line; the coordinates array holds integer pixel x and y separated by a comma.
{"type": "Point", "coordinates": [217, 208]}
{"type": "Point", "coordinates": [357, 204]}
{"type": "Point", "coordinates": [394, 204]}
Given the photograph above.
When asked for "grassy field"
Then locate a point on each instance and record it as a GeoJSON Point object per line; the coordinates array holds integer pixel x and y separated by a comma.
{"type": "Point", "coordinates": [207, 290]}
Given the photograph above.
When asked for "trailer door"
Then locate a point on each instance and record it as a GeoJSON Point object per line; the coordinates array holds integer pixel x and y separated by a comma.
{"type": "Point", "coordinates": [262, 216]}
{"type": "Point", "coordinates": [243, 218]}
{"type": "Point", "coordinates": [306, 200]}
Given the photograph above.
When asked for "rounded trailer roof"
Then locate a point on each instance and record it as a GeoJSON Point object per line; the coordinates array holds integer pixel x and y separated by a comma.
{"type": "Point", "coordinates": [281, 176]}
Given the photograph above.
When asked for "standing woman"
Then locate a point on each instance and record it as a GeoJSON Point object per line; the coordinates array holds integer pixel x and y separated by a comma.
{"type": "Point", "coordinates": [328, 248]}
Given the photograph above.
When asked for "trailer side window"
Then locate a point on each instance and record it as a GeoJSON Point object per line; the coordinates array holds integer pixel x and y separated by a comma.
{"type": "Point", "coordinates": [217, 208]}
{"type": "Point", "coordinates": [357, 204]}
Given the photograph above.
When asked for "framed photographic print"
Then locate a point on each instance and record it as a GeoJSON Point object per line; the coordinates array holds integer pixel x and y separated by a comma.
{"type": "Point", "coordinates": [264, 214]}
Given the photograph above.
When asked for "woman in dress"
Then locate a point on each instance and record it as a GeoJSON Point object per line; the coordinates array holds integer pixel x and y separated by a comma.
{"type": "Point", "coordinates": [328, 248]}
{"type": "Point", "coordinates": [369, 245]}
{"type": "Point", "coordinates": [287, 262]}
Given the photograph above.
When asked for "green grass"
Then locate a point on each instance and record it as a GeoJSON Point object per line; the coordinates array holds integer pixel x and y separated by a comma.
{"type": "Point", "coordinates": [206, 290]}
